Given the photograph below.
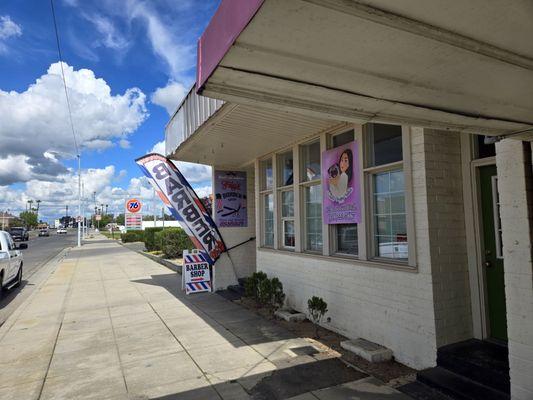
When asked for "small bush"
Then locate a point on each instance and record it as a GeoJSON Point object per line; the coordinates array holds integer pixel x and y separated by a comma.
{"type": "Point", "coordinates": [132, 236]}
{"type": "Point", "coordinates": [173, 242]}
{"type": "Point", "coordinates": [266, 292]}
{"type": "Point", "coordinates": [149, 239]}
{"type": "Point", "coordinates": [278, 297]}
{"type": "Point", "coordinates": [317, 309]}
{"type": "Point", "coordinates": [252, 283]}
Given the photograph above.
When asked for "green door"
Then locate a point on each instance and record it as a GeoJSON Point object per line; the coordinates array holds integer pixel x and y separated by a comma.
{"type": "Point", "coordinates": [492, 252]}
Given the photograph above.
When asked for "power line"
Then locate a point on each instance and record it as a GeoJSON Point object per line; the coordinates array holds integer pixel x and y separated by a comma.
{"type": "Point", "coordinates": [63, 77]}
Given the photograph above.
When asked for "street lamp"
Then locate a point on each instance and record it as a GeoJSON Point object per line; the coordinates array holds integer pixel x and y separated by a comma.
{"type": "Point", "coordinates": [38, 204]}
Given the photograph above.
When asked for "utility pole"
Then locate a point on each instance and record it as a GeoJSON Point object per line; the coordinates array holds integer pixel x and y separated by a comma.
{"type": "Point", "coordinates": [155, 210]}
{"type": "Point", "coordinates": [163, 212]}
{"type": "Point", "coordinates": [79, 201]}
{"type": "Point", "coordinates": [66, 216]}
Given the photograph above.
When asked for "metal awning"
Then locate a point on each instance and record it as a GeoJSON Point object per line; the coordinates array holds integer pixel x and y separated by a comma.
{"type": "Point", "coordinates": [234, 135]}
{"type": "Point", "coordinates": [465, 66]}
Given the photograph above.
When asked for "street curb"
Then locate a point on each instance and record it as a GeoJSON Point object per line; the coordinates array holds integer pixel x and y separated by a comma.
{"type": "Point", "coordinates": [170, 265]}
{"type": "Point", "coordinates": [10, 321]}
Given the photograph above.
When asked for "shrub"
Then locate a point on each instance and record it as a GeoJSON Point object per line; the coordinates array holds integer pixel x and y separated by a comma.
{"type": "Point", "coordinates": [252, 283]}
{"type": "Point", "coordinates": [278, 297]}
{"type": "Point", "coordinates": [173, 242]}
{"type": "Point", "coordinates": [317, 309]}
{"type": "Point", "coordinates": [266, 292]}
{"type": "Point", "coordinates": [149, 239]}
{"type": "Point", "coordinates": [132, 236]}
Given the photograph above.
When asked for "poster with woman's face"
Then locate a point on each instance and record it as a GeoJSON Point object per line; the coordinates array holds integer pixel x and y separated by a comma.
{"type": "Point", "coordinates": [341, 202]}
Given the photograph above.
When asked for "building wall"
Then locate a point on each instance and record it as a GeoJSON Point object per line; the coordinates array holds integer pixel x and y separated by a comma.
{"type": "Point", "coordinates": [447, 235]}
{"type": "Point", "coordinates": [241, 261]}
{"type": "Point", "coordinates": [515, 187]}
{"type": "Point", "coordinates": [410, 312]}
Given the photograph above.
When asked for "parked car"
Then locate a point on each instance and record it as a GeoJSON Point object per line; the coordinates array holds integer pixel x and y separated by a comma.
{"type": "Point", "coordinates": [44, 232]}
{"type": "Point", "coordinates": [61, 231]}
{"type": "Point", "coordinates": [11, 262]}
{"type": "Point", "coordinates": [19, 234]}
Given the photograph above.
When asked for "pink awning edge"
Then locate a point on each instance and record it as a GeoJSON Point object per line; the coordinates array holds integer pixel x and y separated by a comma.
{"type": "Point", "coordinates": [229, 21]}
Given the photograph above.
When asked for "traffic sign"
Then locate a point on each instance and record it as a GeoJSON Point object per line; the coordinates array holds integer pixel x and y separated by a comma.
{"type": "Point", "coordinates": [98, 217]}
{"type": "Point", "coordinates": [133, 206]}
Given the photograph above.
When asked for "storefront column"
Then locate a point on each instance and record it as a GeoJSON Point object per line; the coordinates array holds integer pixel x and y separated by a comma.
{"type": "Point", "coordinates": [515, 187]}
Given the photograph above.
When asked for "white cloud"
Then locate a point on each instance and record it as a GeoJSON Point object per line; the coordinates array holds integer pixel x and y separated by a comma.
{"type": "Point", "coordinates": [159, 148]}
{"type": "Point", "coordinates": [169, 96]}
{"type": "Point", "coordinates": [124, 144]}
{"type": "Point", "coordinates": [35, 121]}
{"type": "Point", "coordinates": [203, 191]}
{"type": "Point", "coordinates": [178, 56]}
{"type": "Point", "coordinates": [111, 37]}
{"type": "Point", "coordinates": [8, 29]}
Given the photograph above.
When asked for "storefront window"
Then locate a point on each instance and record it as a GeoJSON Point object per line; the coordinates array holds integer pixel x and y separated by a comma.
{"type": "Point", "coordinates": [345, 235]}
{"type": "Point", "coordinates": [287, 218]}
{"type": "Point", "coordinates": [390, 232]}
{"type": "Point", "coordinates": [266, 174]}
{"type": "Point", "coordinates": [384, 143]}
{"type": "Point", "coordinates": [346, 239]}
{"type": "Point", "coordinates": [285, 165]}
{"type": "Point", "coordinates": [313, 217]}
{"type": "Point", "coordinates": [268, 219]}
{"type": "Point", "coordinates": [310, 156]}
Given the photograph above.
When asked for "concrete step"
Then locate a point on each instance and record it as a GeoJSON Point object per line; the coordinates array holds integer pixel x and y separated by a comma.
{"type": "Point", "coordinates": [458, 387]}
{"type": "Point", "coordinates": [483, 362]}
{"type": "Point", "coordinates": [370, 351]}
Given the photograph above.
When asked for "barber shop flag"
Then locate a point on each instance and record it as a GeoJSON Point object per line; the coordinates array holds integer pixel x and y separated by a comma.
{"type": "Point", "coordinates": [184, 204]}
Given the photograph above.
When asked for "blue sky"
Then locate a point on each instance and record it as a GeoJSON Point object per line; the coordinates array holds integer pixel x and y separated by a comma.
{"type": "Point", "coordinates": [127, 63]}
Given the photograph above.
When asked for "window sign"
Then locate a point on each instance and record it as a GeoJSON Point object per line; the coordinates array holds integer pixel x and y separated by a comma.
{"type": "Point", "coordinates": [340, 179]}
{"type": "Point", "coordinates": [230, 199]}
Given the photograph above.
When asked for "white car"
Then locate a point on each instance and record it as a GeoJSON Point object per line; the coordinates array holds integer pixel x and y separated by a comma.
{"type": "Point", "coordinates": [61, 231]}
{"type": "Point", "coordinates": [11, 262]}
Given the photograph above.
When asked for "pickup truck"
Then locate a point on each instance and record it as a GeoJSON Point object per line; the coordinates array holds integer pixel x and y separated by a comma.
{"type": "Point", "coordinates": [19, 234]}
{"type": "Point", "coordinates": [11, 262]}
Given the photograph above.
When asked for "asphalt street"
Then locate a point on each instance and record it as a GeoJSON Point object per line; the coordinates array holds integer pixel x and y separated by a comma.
{"type": "Point", "coordinates": [40, 251]}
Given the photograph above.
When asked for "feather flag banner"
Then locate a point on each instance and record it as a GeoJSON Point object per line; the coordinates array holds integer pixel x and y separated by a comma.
{"type": "Point", "coordinates": [183, 203]}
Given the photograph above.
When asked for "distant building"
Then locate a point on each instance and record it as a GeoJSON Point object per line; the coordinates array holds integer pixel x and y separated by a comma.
{"type": "Point", "coordinates": [6, 219]}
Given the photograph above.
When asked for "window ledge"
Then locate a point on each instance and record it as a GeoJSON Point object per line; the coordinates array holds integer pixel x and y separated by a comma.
{"type": "Point", "coordinates": [347, 260]}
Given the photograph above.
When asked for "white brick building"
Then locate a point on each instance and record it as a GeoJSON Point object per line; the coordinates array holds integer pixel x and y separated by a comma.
{"type": "Point", "coordinates": [442, 252]}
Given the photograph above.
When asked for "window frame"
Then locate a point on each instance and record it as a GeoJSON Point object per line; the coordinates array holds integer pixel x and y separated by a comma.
{"type": "Point", "coordinates": [365, 229]}
{"type": "Point", "coordinates": [332, 230]}
{"type": "Point", "coordinates": [303, 186]}
{"type": "Point", "coordinates": [282, 219]}
{"type": "Point", "coordinates": [263, 193]}
{"type": "Point", "coordinates": [369, 172]}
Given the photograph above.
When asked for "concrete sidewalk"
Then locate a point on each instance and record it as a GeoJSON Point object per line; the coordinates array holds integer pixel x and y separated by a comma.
{"type": "Point", "coordinates": [112, 324]}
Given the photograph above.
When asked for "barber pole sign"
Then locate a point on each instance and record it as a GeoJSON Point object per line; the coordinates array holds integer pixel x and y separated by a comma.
{"type": "Point", "coordinates": [195, 272]}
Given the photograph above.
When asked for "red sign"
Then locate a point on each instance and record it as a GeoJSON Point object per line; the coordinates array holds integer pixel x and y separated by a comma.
{"type": "Point", "coordinates": [133, 206]}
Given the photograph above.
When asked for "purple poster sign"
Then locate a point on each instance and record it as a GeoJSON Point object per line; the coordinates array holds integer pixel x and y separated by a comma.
{"type": "Point", "coordinates": [341, 202]}
{"type": "Point", "coordinates": [230, 199]}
